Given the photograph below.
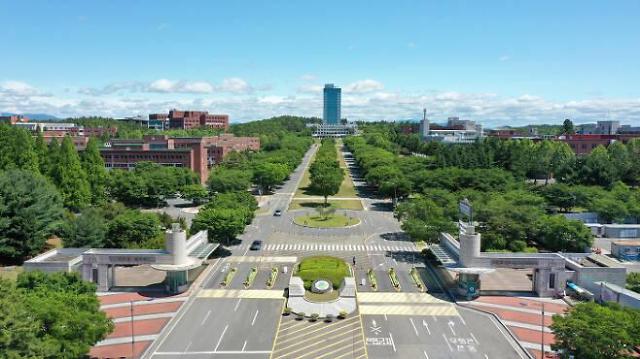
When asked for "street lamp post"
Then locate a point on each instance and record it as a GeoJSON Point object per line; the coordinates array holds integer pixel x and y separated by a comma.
{"type": "Point", "coordinates": [542, 331]}
{"type": "Point", "coordinates": [133, 355]}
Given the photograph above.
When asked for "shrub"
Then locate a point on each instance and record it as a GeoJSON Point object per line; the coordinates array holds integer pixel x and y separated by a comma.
{"type": "Point", "coordinates": [300, 315]}
{"type": "Point", "coordinates": [314, 317]}
{"type": "Point", "coordinates": [328, 318]}
{"type": "Point", "coordinates": [343, 314]}
{"type": "Point", "coordinates": [286, 311]}
{"type": "Point", "coordinates": [323, 267]}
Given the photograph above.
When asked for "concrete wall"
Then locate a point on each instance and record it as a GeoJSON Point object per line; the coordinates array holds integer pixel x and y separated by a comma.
{"type": "Point", "coordinates": [613, 293]}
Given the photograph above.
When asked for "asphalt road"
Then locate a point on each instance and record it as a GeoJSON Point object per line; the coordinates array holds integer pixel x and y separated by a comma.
{"type": "Point", "coordinates": [222, 327]}
{"type": "Point", "coordinates": [469, 335]}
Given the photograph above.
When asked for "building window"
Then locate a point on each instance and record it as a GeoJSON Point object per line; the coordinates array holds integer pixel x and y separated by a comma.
{"type": "Point", "coordinates": [552, 280]}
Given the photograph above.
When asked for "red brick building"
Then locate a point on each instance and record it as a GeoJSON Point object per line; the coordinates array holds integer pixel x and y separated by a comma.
{"type": "Point", "coordinates": [195, 119]}
{"type": "Point", "coordinates": [196, 153]}
{"type": "Point", "coordinates": [13, 119]}
{"type": "Point", "coordinates": [80, 142]}
{"type": "Point", "coordinates": [584, 144]}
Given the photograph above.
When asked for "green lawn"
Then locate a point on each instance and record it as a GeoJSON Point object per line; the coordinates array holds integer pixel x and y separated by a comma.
{"type": "Point", "coordinates": [347, 189]}
{"type": "Point", "coordinates": [323, 267]}
{"type": "Point", "coordinates": [10, 273]}
{"type": "Point", "coordinates": [333, 221]}
{"type": "Point", "coordinates": [352, 204]}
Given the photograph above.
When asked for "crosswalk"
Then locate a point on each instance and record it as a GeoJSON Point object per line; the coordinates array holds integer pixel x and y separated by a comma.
{"type": "Point", "coordinates": [406, 247]}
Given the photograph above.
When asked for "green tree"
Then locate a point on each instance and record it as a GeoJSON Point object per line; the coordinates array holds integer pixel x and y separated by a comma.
{"type": "Point", "coordinates": [267, 175]}
{"type": "Point", "coordinates": [17, 149]}
{"type": "Point", "coordinates": [558, 233]}
{"type": "Point", "coordinates": [89, 229]}
{"type": "Point", "coordinates": [195, 193]}
{"type": "Point", "coordinates": [50, 316]}
{"type": "Point", "coordinates": [395, 187]}
{"type": "Point", "coordinates": [97, 175]}
{"type": "Point", "coordinates": [567, 127]}
{"type": "Point", "coordinates": [593, 331]}
{"type": "Point", "coordinates": [633, 282]}
{"type": "Point", "coordinates": [222, 224]}
{"type": "Point", "coordinates": [132, 228]}
{"type": "Point", "coordinates": [70, 177]}
{"type": "Point", "coordinates": [423, 219]}
{"type": "Point", "coordinates": [31, 211]}
{"type": "Point", "coordinates": [228, 180]}
{"type": "Point", "coordinates": [598, 169]}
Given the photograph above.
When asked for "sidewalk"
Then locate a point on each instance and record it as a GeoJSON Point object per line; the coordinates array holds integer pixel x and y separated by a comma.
{"type": "Point", "coordinates": [523, 316]}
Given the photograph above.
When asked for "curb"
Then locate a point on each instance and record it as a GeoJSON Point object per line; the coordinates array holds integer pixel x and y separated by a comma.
{"type": "Point", "coordinates": [307, 226]}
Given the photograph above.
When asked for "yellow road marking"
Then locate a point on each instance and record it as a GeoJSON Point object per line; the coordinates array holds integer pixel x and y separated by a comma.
{"type": "Point", "coordinates": [251, 259]}
{"type": "Point", "coordinates": [389, 297]}
{"type": "Point", "coordinates": [313, 351]}
{"type": "Point", "coordinates": [366, 353]}
{"type": "Point", "coordinates": [436, 310]}
{"type": "Point", "coordinates": [241, 293]}
{"type": "Point", "coordinates": [363, 348]}
{"type": "Point", "coordinates": [339, 349]}
{"type": "Point", "coordinates": [273, 346]}
{"type": "Point", "coordinates": [313, 325]}
{"type": "Point", "coordinates": [288, 339]}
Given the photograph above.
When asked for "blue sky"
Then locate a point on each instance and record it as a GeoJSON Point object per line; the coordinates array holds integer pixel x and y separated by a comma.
{"type": "Point", "coordinates": [499, 62]}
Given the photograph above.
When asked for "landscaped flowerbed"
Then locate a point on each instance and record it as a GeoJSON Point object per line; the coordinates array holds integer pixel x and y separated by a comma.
{"type": "Point", "coordinates": [322, 267]}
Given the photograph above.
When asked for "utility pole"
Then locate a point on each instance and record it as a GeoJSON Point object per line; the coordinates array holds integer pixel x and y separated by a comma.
{"type": "Point", "coordinates": [542, 331]}
{"type": "Point", "coordinates": [133, 353]}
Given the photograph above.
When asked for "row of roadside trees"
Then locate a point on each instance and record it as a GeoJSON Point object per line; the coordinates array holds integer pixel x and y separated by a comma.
{"type": "Point", "coordinates": [325, 173]}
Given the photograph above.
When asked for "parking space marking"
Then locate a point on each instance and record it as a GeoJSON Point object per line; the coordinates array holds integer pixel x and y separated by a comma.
{"type": "Point", "coordinates": [221, 336]}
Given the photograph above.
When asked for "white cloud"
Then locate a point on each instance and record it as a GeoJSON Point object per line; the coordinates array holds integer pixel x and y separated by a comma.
{"type": "Point", "coordinates": [235, 85]}
{"type": "Point", "coordinates": [17, 88]}
{"type": "Point", "coordinates": [487, 108]}
{"type": "Point", "coordinates": [504, 58]}
{"type": "Point", "coordinates": [364, 86]}
{"type": "Point", "coordinates": [162, 85]}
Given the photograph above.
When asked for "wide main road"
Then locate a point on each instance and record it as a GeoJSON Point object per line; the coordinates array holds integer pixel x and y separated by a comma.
{"type": "Point", "coordinates": [236, 321]}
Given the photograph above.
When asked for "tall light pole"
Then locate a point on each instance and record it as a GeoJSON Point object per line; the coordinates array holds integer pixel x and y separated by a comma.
{"type": "Point", "coordinates": [133, 353]}
{"type": "Point", "coordinates": [542, 331]}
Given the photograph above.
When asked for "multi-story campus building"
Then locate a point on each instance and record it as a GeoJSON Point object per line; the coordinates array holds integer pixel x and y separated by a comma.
{"type": "Point", "coordinates": [331, 110]}
{"type": "Point", "coordinates": [196, 153]}
{"type": "Point", "coordinates": [194, 119]}
{"type": "Point", "coordinates": [455, 131]}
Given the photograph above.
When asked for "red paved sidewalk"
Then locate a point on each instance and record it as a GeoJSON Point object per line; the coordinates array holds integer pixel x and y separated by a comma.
{"type": "Point", "coordinates": [138, 309]}
{"type": "Point", "coordinates": [523, 318]}
{"type": "Point", "coordinates": [119, 350]}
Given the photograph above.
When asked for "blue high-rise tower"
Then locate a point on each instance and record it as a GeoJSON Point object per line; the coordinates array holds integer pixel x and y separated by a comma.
{"type": "Point", "coordinates": [332, 104]}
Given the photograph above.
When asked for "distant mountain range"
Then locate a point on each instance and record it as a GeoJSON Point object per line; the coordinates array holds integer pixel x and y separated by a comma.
{"type": "Point", "coordinates": [34, 116]}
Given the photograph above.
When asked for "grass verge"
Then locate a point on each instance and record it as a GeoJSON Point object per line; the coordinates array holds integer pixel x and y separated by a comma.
{"type": "Point", "coordinates": [251, 276]}
{"type": "Point", "coordinates": [229, 277]}
{"type": "Point", "coordinates": [372, 279]}
{"type": "Point", "coordinates": [415, 275]}
{"type": "Point", "coordinates": [350, 204]}
{"type": "Point", "coordinates": [271, 281]}
{"type": "Point", "coordinates": [333, 221]}
{"type": "Point", "coordinates": [393, 276]}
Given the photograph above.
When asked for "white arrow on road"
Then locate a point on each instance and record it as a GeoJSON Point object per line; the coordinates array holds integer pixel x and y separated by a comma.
{"type": "Point", "coordinates": [373, 322]}
{"type": "Point", "coordinates": [451, 324]}
{"type": "Point", "coordinates": [426, 326]}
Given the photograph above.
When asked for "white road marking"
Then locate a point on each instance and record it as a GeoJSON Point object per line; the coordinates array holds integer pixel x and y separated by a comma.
{"type": "Point", "coordinates": [188, 346]}
{"type": "Point", "coordinates": [237, 305]}
{"type": "Point", "coordinates": [486, 356]}
{"type": "Point", "coordinates": [222, 336]}
{"type": "Point", "coordinates": [214, 352]}
{"type": "Point", "coordinates": [446, 341]}
{"type": "Point", "coordinates": [385, 316]}
{"type": "Point", "coordinates": [425, 354]}
{"type": "Point", "coordinates": [451, 324]}
{"type": "Point", "coordinates": [426, 326]}
{"type": "Point", "coordinates": [206, 317]}
{"type": "Point", "coordinates": [244, 345]}
{"type": "Point", "coordinates": [415, 330]}
{"type": "Point", "coordinates": [254, 317]}
{"type": "Point", "coordinates": [474, 337]}
{"type": "Point", "coordinates": [393, 344]}
{"type": "Point", "coordinates": [462, 320]}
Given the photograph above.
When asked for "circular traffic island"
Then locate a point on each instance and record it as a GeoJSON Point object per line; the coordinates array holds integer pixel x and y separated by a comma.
{"type": "Point", "coordinates": [332, 221]}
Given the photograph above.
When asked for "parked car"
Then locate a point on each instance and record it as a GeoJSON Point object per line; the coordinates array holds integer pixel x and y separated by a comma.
{"type": "Point", "coordinates": [256, 245]}
{"type": "Point", "coordinates": [277, 213]}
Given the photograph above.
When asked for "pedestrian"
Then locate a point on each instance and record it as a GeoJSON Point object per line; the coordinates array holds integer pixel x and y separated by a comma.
{"type": "Point", "coordinates": [354, 261]}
